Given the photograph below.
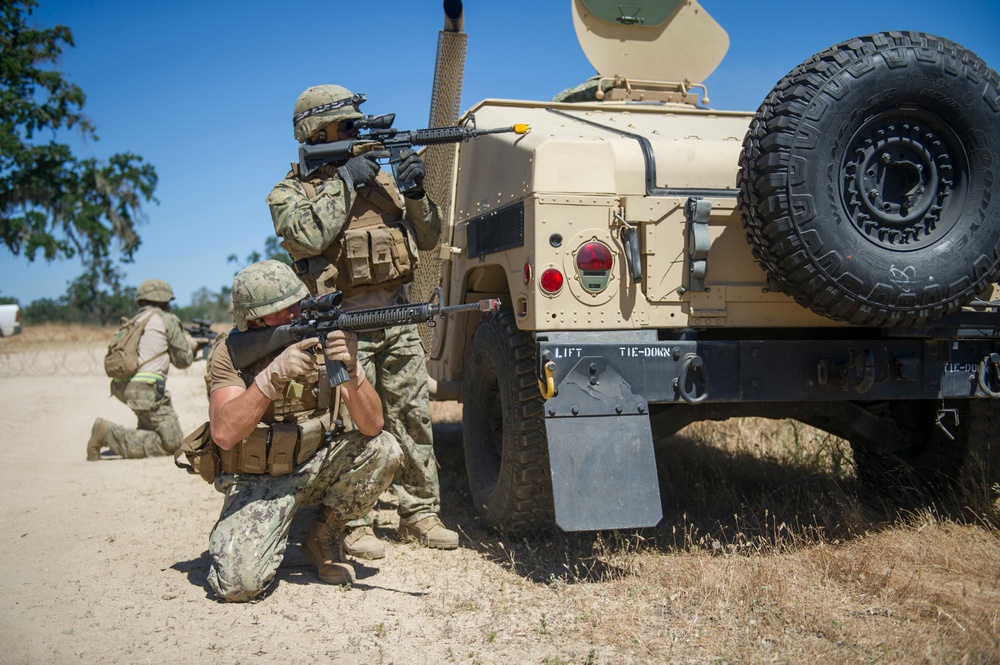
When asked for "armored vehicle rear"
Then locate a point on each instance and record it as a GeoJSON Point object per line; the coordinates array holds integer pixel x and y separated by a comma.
{"type": "Point", "coordinates": [830, 257]}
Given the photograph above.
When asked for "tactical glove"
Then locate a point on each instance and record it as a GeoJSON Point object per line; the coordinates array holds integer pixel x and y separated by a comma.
{"type": "Point", "coordinates": [411, 171]}
{"type": "Point", "coordinates": [295, 361]}
{"type": "Point", "coordinates": [342, 346]}
{"type": "Point", "coordinates": [358, 171]}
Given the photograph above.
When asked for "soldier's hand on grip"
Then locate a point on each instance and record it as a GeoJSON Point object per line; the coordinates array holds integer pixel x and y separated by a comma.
{"type": "Point", "coordinates": [411, 169]}
{"type": "Point", "coordinates": [294, 361]}
{"type": "Point", "coordinates": [342, 346]}
{"type": "Point", "coordinates": [359, 171]}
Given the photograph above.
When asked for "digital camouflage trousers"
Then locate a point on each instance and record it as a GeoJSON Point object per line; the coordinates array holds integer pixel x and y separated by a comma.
{"type": "Point", "coordinates": [249, 540]}
{"type": "Point", "coordinates": [394, 362]}
{"type": "Point", "coordinates": [158, 431]}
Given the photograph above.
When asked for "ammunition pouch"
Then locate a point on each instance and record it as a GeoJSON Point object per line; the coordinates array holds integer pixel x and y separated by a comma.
{"type": "Point", "coordinates": [274, 449]}
{"type": "Point", "coordinates": [373, 250]}
{"type": "Point", "coordinates": [201, 453]}
{"type": "Point", "coordinates": [377, 255]}
{"type": "Point", "coordinates": [360, 260]}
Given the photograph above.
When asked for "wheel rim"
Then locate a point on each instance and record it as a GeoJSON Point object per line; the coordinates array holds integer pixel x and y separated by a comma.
{"type": "Point", "coordinates": [904, 180]}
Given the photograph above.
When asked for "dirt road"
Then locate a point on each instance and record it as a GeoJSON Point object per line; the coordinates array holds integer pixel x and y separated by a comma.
{"type": "Point", "coordinates": [106, 562]}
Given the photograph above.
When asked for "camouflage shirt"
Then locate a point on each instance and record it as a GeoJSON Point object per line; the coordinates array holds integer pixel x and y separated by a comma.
{"type": "Point", "coordinates": [307, 225]}
{"type": "Point", "coordinates": [162, 343]}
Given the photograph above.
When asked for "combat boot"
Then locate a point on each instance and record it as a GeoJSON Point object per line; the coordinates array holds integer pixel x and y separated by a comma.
{"type": "Point", "coordinates": [362, 543]}
{"type": "Point", "coordinates": [321, 547]}
{"type": "Point", "coordinates": [429, 532]}
{"type": "Point", "coordinates": [97, 434]}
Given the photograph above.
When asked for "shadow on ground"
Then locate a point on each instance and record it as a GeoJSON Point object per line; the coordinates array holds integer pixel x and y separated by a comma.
{"type": "Point", "coordinates": [713, 499]}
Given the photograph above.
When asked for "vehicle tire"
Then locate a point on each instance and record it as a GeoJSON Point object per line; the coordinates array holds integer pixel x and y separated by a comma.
{"type": "Point", "coordinates": [506, 454]}
{"type": "Point", "coordinates": [935, 466]}
{"type": "Point", "coordinates": [867, 180]}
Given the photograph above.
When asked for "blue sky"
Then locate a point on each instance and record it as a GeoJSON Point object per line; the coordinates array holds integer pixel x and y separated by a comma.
{"type": "Point", "coordinates": [204, 91]}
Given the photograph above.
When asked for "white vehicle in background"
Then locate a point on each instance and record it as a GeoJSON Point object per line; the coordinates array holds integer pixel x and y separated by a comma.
{"type": "Point", "coordinates": [10, 320]}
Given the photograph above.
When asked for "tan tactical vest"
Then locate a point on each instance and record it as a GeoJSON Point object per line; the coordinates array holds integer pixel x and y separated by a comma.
{"type": "Point", "coordinates": [371, 252]}
{"type": "Point", "coordinates": [291, 430]}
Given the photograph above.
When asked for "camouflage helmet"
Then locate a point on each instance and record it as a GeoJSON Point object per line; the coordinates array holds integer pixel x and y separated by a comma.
{"type": "Point", "coordinates": [264, 288]}
{"type": "Point", "coordinates": [320, 105]}
{"type": "Point", "coordinates": [154, 290]}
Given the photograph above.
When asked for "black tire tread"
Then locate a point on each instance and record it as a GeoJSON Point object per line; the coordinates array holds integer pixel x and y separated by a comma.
{"type": "Point", "coordinates": [522, 496]}
{"type": "Point", "coordinates": [764, 181]}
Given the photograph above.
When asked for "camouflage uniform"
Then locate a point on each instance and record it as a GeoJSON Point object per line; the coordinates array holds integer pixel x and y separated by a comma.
{"type": "Point", "coordinates": [316, 217]}
{"type": "Point", "coordinates": [163, 343]}
{"type": "Point", "coordinates": [248, 542]}
{"type": "Point", "coordinates": [344, 472]}
{"type": "Point", "coordinates": [394, 358]}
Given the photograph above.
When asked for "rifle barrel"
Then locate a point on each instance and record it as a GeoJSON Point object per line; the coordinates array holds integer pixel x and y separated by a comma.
{"type": "Point", "coordinates": [252, 345]}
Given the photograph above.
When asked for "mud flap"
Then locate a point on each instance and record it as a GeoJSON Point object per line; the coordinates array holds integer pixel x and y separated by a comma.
{"type": "Point", "coordinates": [603, 472]}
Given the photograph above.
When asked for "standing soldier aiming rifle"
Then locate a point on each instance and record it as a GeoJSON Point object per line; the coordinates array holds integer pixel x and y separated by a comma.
{"type": "Point", "coordinates": [137, 362]}
{"type": "Point", "coordinates": [347, 228]}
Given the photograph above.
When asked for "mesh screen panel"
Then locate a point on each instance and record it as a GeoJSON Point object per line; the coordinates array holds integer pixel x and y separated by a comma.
{"type": "Point", "coordinates": [497, 230]}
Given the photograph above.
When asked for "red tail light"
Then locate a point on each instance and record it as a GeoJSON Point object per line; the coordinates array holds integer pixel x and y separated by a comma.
{"type": "Point", "coordinates": [551, 280]}
{"type": "Point", "coordinates": [593, 265]}
{"type": "Point", "coordinates": [594, 256]}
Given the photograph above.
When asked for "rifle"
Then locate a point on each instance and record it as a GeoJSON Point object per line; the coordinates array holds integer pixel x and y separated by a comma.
{"type": "Point", "coordinates": [203, 334]}
{"type": "Point", "coordinates": [322, 315]}
{"type": "Point", "coordinates": [382, 138]}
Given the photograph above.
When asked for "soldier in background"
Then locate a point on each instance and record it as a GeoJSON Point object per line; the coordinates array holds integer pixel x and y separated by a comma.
{"type": "Point", "coordinates": [348, 229]}
{"type": "Point", "coordinates": [163, 342]}
{"type": "Point", "coordinates": [282, 407]}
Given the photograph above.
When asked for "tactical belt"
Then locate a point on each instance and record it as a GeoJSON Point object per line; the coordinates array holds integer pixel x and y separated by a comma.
{"type": "Point", "coordinates": [145, 377]}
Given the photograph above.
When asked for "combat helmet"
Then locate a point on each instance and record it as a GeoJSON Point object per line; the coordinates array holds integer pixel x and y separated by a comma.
{"type": "Point", "coordinates": [320, 105]}
{"type": "Point", "coordinates": [154, 290]}
{"type": "Point", "coordinates": [264, 288]}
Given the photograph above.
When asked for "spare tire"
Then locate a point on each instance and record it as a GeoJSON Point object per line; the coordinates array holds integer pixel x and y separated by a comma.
{"type": "Point", "coordinates": [867, 180]}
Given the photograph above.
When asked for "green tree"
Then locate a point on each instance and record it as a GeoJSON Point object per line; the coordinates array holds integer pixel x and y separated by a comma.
{"type": "Point", "coordinates": [50, 201]}
{"type": "Point", "coordinates": [96, 297]}
{"type": "Point", "coordinates": [205, 304]}
{"type": "Point", "coordinates": [272, 250]}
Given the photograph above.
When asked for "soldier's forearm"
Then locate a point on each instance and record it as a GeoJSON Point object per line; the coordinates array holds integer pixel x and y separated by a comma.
{"type": "Point", "coordinates": [234, 412]}
{"type": "Point", "coordinates": [425, 217]}
{"type": "Point", "coordinates": [362, 402]}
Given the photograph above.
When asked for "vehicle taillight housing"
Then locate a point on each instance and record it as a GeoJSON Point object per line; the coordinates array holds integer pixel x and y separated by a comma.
{"type": "Point", "coordinates": [551, 280]}
{"type": "Point", "coordinates": [593, 264]}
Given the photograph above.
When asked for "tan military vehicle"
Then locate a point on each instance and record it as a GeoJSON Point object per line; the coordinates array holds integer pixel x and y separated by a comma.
{"type": "Point", "coordinates": [829, 258]}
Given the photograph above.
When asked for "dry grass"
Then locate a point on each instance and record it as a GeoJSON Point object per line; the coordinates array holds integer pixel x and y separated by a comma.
{"type": "Point", "coordinates": [766, 553]}
{"type": "Point", "coordinates": [46, 334]}
{"type": "Point", "coordinates": [54, 334]}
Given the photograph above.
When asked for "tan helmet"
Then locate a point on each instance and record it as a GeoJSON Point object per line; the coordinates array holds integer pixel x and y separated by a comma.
{"type": "Point", "coordinates": [154, 290]}
{"type": "Point", "coordinates": [320, 105]}
{"type": "Point", "coordinates": [264, 288]}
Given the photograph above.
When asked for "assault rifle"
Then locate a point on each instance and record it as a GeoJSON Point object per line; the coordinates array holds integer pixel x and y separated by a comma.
{"type": "Point", "coordinates": [203, 334]}
{"type": "Point", "coordinates": [388, 142]}
{"type": "Point", "coordinates": [322, 315]}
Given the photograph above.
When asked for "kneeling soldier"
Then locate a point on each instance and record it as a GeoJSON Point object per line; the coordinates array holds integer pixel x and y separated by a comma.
{"type": "Point", "coordinates": [280, 447]}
